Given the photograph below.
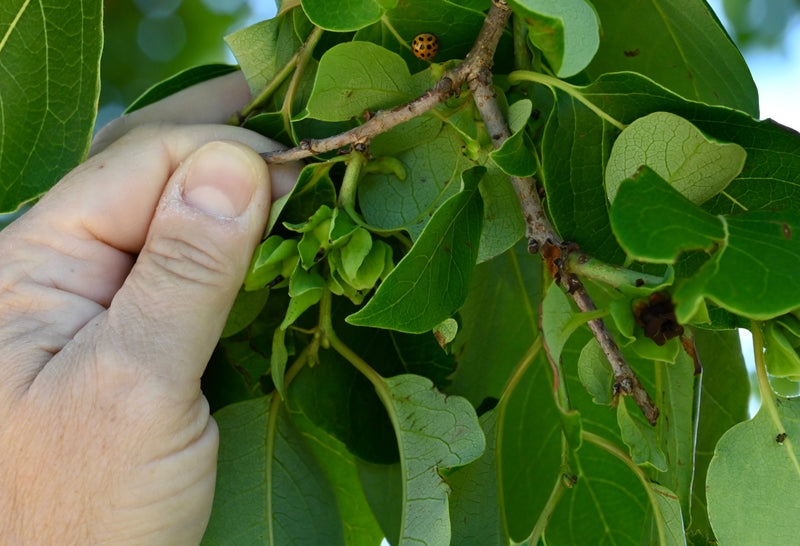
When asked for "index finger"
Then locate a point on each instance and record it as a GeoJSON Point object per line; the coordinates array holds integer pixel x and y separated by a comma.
{"type": "Point", "coordinates": [212, 101]}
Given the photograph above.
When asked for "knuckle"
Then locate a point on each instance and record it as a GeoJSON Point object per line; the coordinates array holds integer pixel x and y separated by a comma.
{"type": "Point", "coordinates": [192, 261]}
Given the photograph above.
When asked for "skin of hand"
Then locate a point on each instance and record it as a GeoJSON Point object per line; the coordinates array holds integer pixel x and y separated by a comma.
{"type": "Point", "coordinates": [113, 291]}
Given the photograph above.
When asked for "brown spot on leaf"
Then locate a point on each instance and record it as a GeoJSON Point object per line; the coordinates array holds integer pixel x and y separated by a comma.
{"type": "Point", "coordinates": [632, 53]}
{"type": "Point", "coordinates": [787, 231]}
{"type": "Point", "coordinates": [780, 437]}
{"type": "Point", "coordinates": [440, 339]}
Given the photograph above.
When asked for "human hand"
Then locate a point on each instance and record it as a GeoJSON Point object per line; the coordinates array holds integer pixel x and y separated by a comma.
{"type": "Point", "coordinates": [114, 289]}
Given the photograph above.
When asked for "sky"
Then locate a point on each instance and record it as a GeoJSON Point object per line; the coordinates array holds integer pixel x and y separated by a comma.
{"type": "Point", "coordinates": [776, 73]}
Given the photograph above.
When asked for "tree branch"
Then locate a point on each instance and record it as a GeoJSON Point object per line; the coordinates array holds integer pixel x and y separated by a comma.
{"type": "Point", "coordinates": [384, 120]}
{"type": "Point", "coordinates": [542, 236]}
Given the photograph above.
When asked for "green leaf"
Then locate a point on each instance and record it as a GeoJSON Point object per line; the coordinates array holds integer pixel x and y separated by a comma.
{"type": "Point", "coordinates": [503, 224]}
{"type": "Point", "coordinates": [346, 15]}
{"type": "Point", "coordinates": [341, 469]}
{"type": "Point", "coordinates": [433, 167]}
{"type": "Point", "coordinates": [50, 59]}
{"type": "Point", "coordinates": [557, 321]}
{"type": "Point", "coordinates": [356, 76]}
{"type": "Point", "coordinates": [305, 288]}
{"type": "Point", "coordinates": [680, 45]}
{"type": "Point", "coordinates": [474, 504]}
{"type": "Point", "coordinates": [753, 484]}
{"type": "Point", "coordinates": [179, 82]}
{"type": "Point", "coordinates": [246, 308]}
{"type": "Point", "coordinates": [579, 213]}
{"type": "Point", "coordinates": [649, 350]}
{"type": "Point", "coordinates": [304, 505]}
{"type": "Point", "coordinates": [761, 243]}
{"type": "Point", "coordinates": [343, 403]}
{"type": "Point", "coordinates": [696, 166]}
{"type": "Point", "coordinates": [273, 262]}
{"type": "Point", "coordinates": [654, 223]}
{"type": "Point", "coordinates": [382, 485]}
{"type": "Point", "coordinates": [675, 395]}
{"type": "Point", "coordinates": [314, 189]}
{"type": "Point", "coordinates": [780, 356]}
{"type": "Point", "coordinates": [262, 49]}
{"type": "Point", "coordinates": [443, 257]}
{"type": "Point", "coordinates": [599, 510]}
{"type": "Point", "coordinates": [528, 446]}
{"type": "Point", "coordinates": [355, 252]}
{"type": "Point", "coordinates": [595, 374]}
{"type": "Point", "coordinates": [434, 431]}
{"type": "Point", "coordinates": [499, 324]}
{"type": "Point", "coordinates": [567, 32]}
{"type": "Point", "coordinates": [670, 511]}
{"type": "Point", "coordinates": [446, 331]}
{"type": "Point", "coordinates": [514, 157]}
{"type": "Point", "coordinates": [640, 438]}
{"type": "Point", "coordinates": [723, 403]}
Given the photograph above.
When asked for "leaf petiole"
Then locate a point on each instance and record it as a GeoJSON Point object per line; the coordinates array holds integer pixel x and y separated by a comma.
{"type": "Point", "coordinates": [615, 276]}
{"type": "Point", "coordinates": [571, 90]}
{"type": "Point", "coordinates": [304, 54]}
{"type": "Point", "coordinates": [767, 394]}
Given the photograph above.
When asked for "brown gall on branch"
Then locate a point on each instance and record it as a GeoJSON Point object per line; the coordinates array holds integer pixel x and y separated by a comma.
{"type": "Point", "coordinates": [541, 234]}
{"type": "Point", "coordinates": [384, 120]}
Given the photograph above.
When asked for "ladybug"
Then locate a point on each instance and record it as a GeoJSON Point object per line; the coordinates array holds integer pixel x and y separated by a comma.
{"type": "Point", "coordinates": [425, 46]}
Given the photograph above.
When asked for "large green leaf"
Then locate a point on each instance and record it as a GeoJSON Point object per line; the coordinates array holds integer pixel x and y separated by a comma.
{"type": "Point", "coordinates": [49, 86]}
{"type": "Point", "coordinates": [723, 403]}
{"type": "Point", "coordinates": [653, 222]}
{"type": "Point", "coordinates": [304, 506]}
{"type": "Point", "coordinates": [434, 432]}
{"type": "Point", "coordinates": [761, 244]}
{"type": "Point", "coordinates": [342, 16]}
{"type": "Point", "coordinates": [680, 45]}
{"type": "Point", "coordinates": [599, 510]}
{"type": "Point", "coordinates": [474, 506]}
{"type": "Point", "coordinates": [675, 428]}
{"type": "Point", "coordinates": [576, 200]}
{"type": "Point", "coordinates": [432, 158]}
{"type": "Point", "coordinates": [753, 483]}
{"type": "Point", "coordinates": [698, 167]}
{"type": "Point", "coordinates": [262, 49]}
{"type": "Point", "coordinates": [341, 469]}
{"type": "Point", "coordinates": [356, 76]}
{"type": "Point", "coordinates": [503, 224]}
{"type": "Point", "coordinates": [528, 447]}
{"type": "Point", "coordinates": [566, 31]}
{"type": "Point", "coordinates": [431, 282]}
{"type": "Point", "coordinates": [499, 323]}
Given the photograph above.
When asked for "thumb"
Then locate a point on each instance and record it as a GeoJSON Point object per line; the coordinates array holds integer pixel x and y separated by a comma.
{"type": "Point", "coordinates": [170, 311]}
